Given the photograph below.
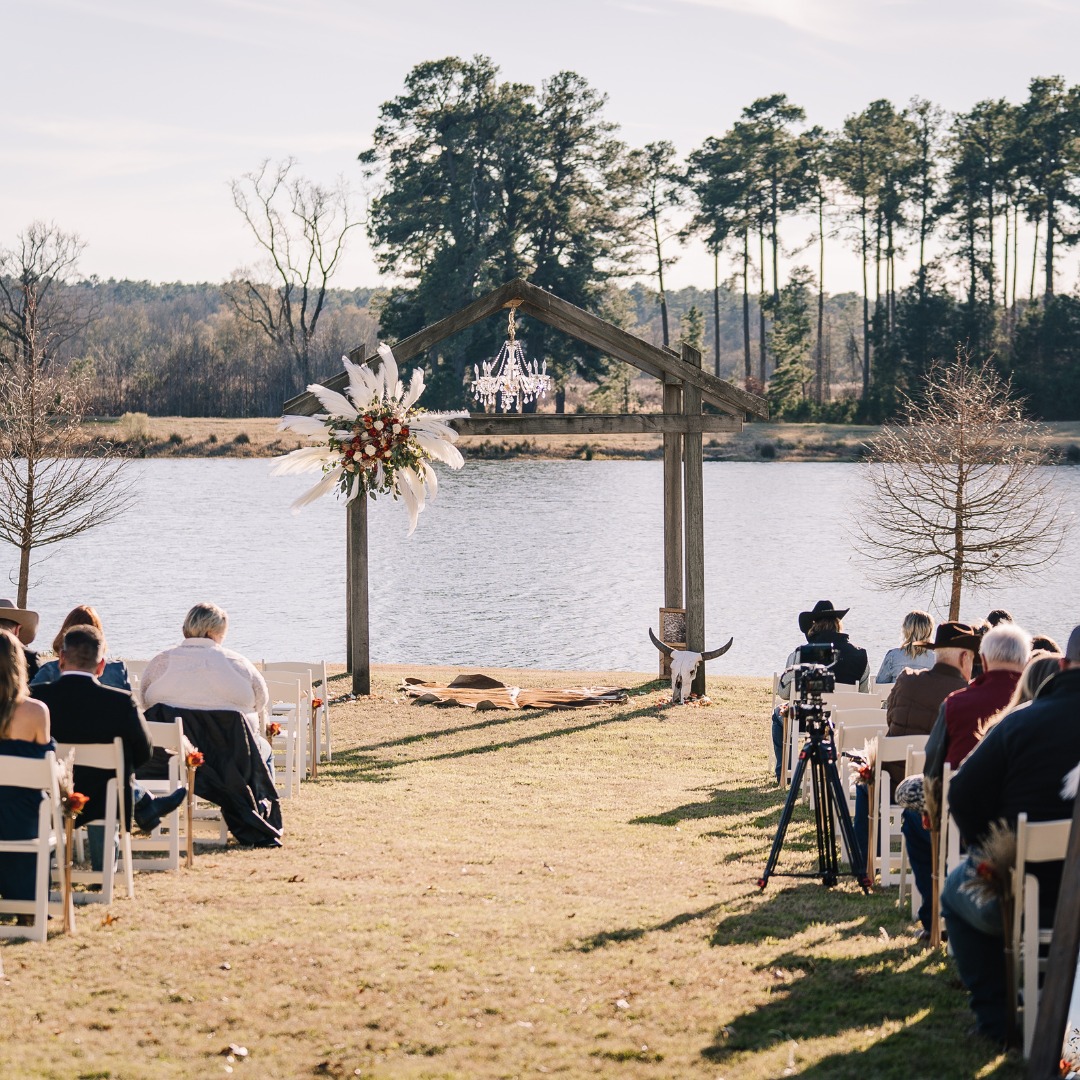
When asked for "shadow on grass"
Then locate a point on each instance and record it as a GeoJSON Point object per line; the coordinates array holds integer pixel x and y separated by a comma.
{"type": "Point", "coordinates": [357, 765]}
{"type": "Point", "coordinates": [785, 910]}
{"type": "Point", "coordinates": [820, 997]}
{"type": "Point", "coordinates": [614, 937]}
{"type": "Point", "coordinates": [722, 802]}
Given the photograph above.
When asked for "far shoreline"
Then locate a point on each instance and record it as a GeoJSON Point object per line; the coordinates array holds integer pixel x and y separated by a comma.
{"type": "Point", "coordinates": [231, 437]}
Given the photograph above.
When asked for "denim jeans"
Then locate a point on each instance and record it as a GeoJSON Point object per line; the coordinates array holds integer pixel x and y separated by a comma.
{"type": "Point", "coordinates": [777, 739]}
{"type": "Point", "coordinates": [862, 818]}
{"type": "Point", "coordinates": [977, 943]}
{"type": "Point", "coordinates": [919, 855]}
{"type": "Point", "coordinates": [95, 843]}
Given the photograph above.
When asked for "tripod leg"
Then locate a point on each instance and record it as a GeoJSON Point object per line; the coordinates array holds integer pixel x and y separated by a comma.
{"type": "Point", "coordinates": [785, 817]}
{"type": "Point", "coordinates": [820, 796]}
{"type": "Point", "coordinates": [855, 849]}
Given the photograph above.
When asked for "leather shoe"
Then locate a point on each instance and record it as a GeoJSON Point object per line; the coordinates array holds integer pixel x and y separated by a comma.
{"type": "Point", "coordinates": [148, 812]}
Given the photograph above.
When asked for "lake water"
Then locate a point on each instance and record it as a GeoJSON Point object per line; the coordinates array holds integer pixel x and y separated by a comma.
{"type": "Point", "coordinates": [551, 564]}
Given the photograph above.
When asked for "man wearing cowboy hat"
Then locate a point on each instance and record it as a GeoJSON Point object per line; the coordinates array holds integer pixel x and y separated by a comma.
{"type": "Point", "coordinates": [913, 706]}
{"type": "Point", "coordinates": [822, 625]}
{"type": "Point", "coordinates": [23, 624]}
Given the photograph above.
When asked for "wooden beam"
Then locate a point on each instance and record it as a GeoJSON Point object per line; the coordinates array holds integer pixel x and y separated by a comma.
{"type": "Point", "coordinates": [1057, 991]}
{"type": "Point", "coordinates": [650, 358]}
{"type": "Point", "coordinates": [571, 320]}
{"type": "Point", "coordinates": [673, 512]}
{"type": "Point", "coordinates": [359, 656]}
{"type": "Point", "coordinates": [694, 522]}
{"type": "Point", "coordinates": [665, 423]}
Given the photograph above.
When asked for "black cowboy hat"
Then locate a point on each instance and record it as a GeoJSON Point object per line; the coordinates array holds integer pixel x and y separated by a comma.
{"type": "Point", "coordinates": [953, 635]}
{"type": "Point", "coordinates": [823, 609]}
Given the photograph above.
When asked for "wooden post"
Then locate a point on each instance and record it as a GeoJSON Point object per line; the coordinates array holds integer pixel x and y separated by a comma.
{"type": "Point", "coordinates": [357, 596]}
{"type": "Point", "coordinates": [673, 535]}
{"type": "Point", "coordinates": [694, 523]}
{"type": "Point", "coordinates": [1057, 991]}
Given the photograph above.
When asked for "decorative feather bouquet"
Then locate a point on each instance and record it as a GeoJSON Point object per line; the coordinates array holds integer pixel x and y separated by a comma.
{"type": "Point", "coordinates": [373, 439]}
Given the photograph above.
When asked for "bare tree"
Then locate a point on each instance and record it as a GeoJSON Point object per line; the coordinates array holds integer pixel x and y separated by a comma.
{"type": "Point", "coordinates": [954, 491]}
{"type": "Point", "coordinates": [49, 491]}
{"type": "Point", "coordinates": [34, 291]}
{"type": "Point", "coordinates": [301, 228]}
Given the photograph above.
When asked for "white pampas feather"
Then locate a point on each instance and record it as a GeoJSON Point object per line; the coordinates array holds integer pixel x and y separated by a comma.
{"type": "Point", "coordinates": [1071, 784]}
{"type": "Point", "coordinates": [363, 385]}
{"type": "Point", "coordinates": [440, 450]}
{"type": "Point", "coordinates": [416, 388]}
{"type": "Point", "coordinates": [304, 425]}
{"type": "Point", "coordinates": [405, 489]}
{"type": "Point", "coordinates": [388, 371]}
{"type": "Point", "coordinates": [334, 403]}
{"type": "Point", "coordinates": [306, 459]}
{"type": "Point", "coordinates": [323, 487]}
{"type": "Point", "coordinates": [431, 481]}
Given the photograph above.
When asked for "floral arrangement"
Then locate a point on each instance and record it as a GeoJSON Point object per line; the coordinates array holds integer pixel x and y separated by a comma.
{"type": "Point", "coordinates": [373, 439]}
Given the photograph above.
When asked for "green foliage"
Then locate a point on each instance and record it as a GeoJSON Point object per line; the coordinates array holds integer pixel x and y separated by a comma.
{"type": "Point", "coordinates": [692, 328]}
{"type": "Point", "coordinates": [789, 342]}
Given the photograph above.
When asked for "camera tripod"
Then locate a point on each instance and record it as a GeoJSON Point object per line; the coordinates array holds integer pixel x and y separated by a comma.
{"type": "Point", "coordinates": [830, 803]}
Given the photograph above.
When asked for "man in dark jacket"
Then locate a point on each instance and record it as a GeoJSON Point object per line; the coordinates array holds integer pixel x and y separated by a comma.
{"type": "Point", "coordinates": [913, 706]}
{"type": "Point", "coordinates": [1019, 766]}
{"type": "Point", "coordinates": [83, 711]}
{"type": "Point", "coordinates": [822, 626]}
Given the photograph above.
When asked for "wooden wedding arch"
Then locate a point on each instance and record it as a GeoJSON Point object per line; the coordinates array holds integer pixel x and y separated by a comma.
{"type": "Point", "coordinates": [682, 423]}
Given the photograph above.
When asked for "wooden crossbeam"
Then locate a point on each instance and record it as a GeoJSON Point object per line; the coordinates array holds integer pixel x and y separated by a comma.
{"type": "Point", "coordinates": [579, 324]}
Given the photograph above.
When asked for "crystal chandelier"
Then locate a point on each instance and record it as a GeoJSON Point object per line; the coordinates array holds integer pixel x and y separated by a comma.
{"type": "Point", "coordinates": [510, 376]}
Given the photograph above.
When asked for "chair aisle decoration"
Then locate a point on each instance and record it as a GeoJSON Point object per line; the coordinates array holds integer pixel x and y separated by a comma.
{"type": "Point", "coordinates": [373, 439]}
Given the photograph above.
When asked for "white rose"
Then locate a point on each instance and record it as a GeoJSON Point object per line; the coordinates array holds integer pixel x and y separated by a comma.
{"type": "Point", "coordinates": [369, 450]}
{"type": "Point", "coordinates": [378, 425]}
{"type": "Point", "coordinates": [397, 429]}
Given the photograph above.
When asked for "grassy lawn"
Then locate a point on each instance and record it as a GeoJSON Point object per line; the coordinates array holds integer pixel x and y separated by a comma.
{"type": "Point", "coordinates": [496, 894]}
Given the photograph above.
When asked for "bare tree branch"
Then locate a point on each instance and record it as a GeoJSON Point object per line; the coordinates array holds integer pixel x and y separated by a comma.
{"type": "Point", "coordinates": [955, 493]}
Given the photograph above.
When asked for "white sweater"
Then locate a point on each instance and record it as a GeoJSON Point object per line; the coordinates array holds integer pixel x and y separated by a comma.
{"type": "Point", "coordinates": [200, 674]}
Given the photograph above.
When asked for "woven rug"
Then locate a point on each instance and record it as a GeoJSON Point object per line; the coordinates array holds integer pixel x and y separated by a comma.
{"type": "Point", "coordinates": [481, 692]}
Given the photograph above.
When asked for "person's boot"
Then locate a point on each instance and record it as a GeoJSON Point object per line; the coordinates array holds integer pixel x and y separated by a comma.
{"type": "Point", "coordinates": [148, 812]}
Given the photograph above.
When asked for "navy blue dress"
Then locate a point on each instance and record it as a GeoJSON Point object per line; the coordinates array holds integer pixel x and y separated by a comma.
{"type": "Point", "coordinates": [19, 809]}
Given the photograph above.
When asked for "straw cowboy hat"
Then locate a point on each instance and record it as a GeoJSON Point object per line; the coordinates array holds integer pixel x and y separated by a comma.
{"type": "Point", "coordinates": [823, 609]}
{"type": "Point", "coordinates": [953, 635]}
{"type": "Point", "coordinates": [27, 620]}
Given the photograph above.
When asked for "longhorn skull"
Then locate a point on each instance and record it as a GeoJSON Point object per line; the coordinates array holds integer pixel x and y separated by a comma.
{"type": "Point", "coordinates": [684, 665]}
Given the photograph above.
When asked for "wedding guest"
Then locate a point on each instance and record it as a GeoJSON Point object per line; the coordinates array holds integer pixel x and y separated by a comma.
{"type": "Point", "coordinates": [115, 672]}
{"type": "Point", "coordinates": [913, 651]}
{"type": "Point", "coordinates": [23, 624]}
{"type": "Point", "coordinates": [200, 673]}
{"type": "Point", "coordinates": [24, 733]}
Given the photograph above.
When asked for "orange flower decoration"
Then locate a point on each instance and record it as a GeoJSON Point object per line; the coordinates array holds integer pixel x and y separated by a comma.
{"type": "Point", "coordinates": [273, 730]}
{"type": "Point", "coordinates": [195, 759]}
{"type": "Point", "coordinates": [75, 803]}
{"type": "Point", "coordinates": [317, 703]}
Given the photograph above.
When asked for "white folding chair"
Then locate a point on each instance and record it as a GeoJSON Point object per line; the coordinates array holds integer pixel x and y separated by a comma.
{"type": "Point", "coordinates": [915, 763]}
{"type": "Point", "coordinates": [851, 716]}
{"type": "Point", "coordinates": [1042, 841]}
{"type": "Point", "coordinates": [289, 708]}
{"type": "Point", "coordinates": [853, 736]}
{"type": "Point", "coordinates": [109, 757]}
{"type": "Point", "coordinates": [849, 699]}
{"type": "Point", "coordinates": [322, 742]}
{"type": "Point", "coordinates": [40, 775]}
{"type": "Point", "coordinates": [135, 669]}
{"type": "Point", "coordinates": [891, 853]}
{"type": "Point", "coordinates": [161, 849]}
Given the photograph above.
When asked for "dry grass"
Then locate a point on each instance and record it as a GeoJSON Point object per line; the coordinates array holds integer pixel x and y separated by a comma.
{"type": "Point", "coordinates": [498, 895]}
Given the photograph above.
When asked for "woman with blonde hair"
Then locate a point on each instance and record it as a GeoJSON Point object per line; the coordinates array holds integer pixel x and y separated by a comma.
{"type": "Point", "coordinates": [24, 732]}
{"type": "Point", "coordinates": [115, 673]}
{"type": "Point", "coordinates": [918, 627]}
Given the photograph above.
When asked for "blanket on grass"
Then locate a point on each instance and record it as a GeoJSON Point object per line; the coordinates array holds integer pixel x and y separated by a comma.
{"type": "Point", "coordinates": [481, 692]}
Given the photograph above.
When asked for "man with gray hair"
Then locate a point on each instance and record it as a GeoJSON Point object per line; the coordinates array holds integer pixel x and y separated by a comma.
{"type": "Point", "coordinates": [1004, 651]}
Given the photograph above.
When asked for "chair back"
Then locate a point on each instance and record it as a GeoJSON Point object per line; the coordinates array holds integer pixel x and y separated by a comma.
{"type": "Point", "coordinates": [161, 849]}
{"type": "Point", "coordinates": [108, 757]}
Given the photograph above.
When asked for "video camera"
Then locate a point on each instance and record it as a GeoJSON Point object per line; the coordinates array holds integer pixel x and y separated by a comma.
{"type": "Point", "coordinates": [813, 671]}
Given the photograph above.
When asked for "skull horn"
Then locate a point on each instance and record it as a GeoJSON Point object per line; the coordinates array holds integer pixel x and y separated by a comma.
{"type": "Point", "coordinates": [716, 652]}
{"type": "Point", "coordinates": [667, 650]}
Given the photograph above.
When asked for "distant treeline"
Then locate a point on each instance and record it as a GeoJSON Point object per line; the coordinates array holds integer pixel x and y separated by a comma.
{"type": "Point", "coordinates": [180, 349]}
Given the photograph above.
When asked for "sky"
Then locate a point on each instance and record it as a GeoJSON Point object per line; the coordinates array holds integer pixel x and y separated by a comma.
{"type": "Point", "coordinates": [125, 120]}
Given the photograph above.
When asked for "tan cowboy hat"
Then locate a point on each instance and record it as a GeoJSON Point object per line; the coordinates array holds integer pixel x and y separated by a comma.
{"type": "Point", "coordinates": [27, 620]}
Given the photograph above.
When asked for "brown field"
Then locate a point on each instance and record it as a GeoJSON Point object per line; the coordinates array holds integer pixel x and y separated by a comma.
{"type": "Point", "coordinates": [173, 436]}
{"type": "Point", "coordinates": [485, 895]}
